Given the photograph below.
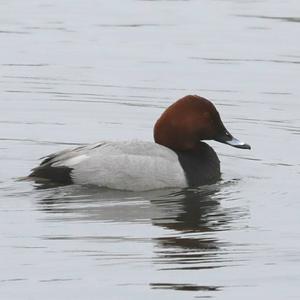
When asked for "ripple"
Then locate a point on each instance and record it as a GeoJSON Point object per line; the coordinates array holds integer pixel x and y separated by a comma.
{"type": "Point", "coordinates": [39, 142]}
{"type": "Point", "coordinates": [131, 25]}
{"type": "Point", "coordinates": [54, 280]}
{"type": "Point", "coordinates": [285, 19]}
{"type": "Point", "coordinates": [30, 123]}
{"type": "Point", "coordinates": [14, 32]}
{"type": "Point", "coordinates": [12, 280]}
{"type": "Point", "coordinates": [184, 287]}
{"type": "Point", "coordinates": [237, 60]}
{"type": "Point", "coordinates": [25, 65]}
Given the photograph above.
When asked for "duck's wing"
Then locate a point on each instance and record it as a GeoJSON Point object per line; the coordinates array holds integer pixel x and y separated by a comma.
{"type": "Point", "coordinates": [57, 167]}
{"type": "Point", "coordinates": [134, 165]}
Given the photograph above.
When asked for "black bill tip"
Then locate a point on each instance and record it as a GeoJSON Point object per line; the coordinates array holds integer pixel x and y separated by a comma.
{"type": "Point", "coordinates": [227, 138]}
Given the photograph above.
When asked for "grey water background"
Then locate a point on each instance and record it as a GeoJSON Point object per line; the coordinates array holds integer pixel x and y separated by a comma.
{"type": "Point", "coordinates": [75, 72]}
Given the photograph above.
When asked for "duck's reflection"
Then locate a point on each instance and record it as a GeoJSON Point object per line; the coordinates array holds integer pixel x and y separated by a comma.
{"type": "Point", "coordinates": [188, 223]}
{"type": "Point", "coordinates": [192, 209]}
{"type": "Point", "coordinates": [190, 241]}
{"type": "Point", "coordinates": [185, 211]}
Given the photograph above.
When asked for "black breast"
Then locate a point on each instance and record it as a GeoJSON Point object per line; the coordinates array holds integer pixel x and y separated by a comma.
{"type": "Point", "coordinates": [201, 165]}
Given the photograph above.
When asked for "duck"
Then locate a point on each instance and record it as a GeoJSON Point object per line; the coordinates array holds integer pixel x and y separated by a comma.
{"type": "Point", "coordinates": [178, 157]}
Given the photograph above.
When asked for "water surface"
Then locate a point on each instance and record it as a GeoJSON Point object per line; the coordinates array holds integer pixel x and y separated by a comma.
{"type": "Point", "coordinates": [73, 73]}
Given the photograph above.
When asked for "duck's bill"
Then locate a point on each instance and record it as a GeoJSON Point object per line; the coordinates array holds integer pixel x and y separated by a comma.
{"type": "Point", "coordinates": [237, 143]}
{"type": "Point", "coordinates": [228, 139]}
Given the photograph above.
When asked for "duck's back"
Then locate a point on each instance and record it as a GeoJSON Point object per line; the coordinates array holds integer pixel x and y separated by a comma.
{"type": "Point", "coordinates": [134, 165]}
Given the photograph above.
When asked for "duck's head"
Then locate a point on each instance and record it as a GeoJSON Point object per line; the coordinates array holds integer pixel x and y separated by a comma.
{"type": "Point", "coordinates": [190, 120]}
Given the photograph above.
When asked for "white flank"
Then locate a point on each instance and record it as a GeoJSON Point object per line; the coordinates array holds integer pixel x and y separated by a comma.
{"type": "Point", "coordinates": [135, 165]}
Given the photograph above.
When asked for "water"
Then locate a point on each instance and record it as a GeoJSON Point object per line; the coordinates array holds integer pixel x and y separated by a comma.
{"type": "Point", "coordinates": [73, 73]}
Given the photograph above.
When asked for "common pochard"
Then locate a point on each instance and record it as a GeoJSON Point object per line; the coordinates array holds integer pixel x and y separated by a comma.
{"type": "Point", "coordinates": [178, 158]}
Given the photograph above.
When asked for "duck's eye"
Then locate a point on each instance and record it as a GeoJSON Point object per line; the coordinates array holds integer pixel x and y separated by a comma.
{"type": "Point", "coordinates": [227, 134]}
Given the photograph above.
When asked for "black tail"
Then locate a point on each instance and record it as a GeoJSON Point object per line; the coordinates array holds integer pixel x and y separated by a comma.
{"type": "Point", "coordinates": [61, 175]}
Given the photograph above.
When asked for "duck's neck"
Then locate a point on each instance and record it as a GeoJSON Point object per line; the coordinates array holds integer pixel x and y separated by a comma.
{"type": "Point", "coordinates": [201, 164]}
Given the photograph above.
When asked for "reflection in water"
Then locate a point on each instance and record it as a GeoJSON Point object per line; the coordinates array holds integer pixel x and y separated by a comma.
{"type": "Point", "coordinates": [190, 220]}
{"type": "Point", "coordinates": [195, 206]}
{"type": "Point", "coordinates": [194, 217]}
{"type": "Point", "coordinates": [192, 243]}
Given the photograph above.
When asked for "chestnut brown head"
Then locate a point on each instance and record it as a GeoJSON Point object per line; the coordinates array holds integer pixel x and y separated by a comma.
{"type": "Point", "coordinates": [189, 120]}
